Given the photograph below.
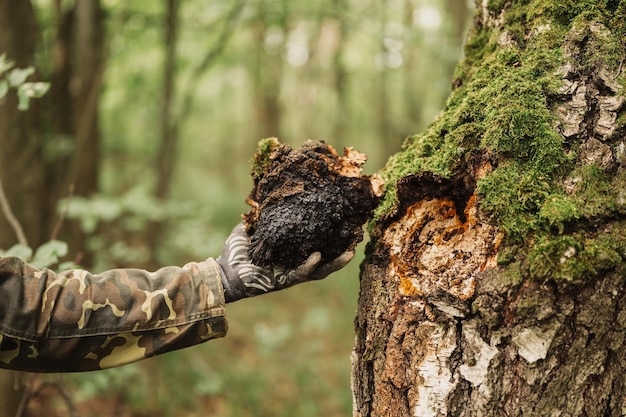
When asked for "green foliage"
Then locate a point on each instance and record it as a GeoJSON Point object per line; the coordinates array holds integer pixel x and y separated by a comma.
{"type": "Point", "coordinates": [125, 216]}
{"type": "Point", "coordinates": [106, 381]}
{"type": "Point", "coordinates": [11, 77]}
{"type": "Point", "coordinates": [49, 254]}
{"type": "Point", "coordinates": [19, 250]}
{"type": "Point", "coordinates": [45, 255]}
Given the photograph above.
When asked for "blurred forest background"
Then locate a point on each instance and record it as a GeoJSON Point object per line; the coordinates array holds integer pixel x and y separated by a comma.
{"type": "Point", "coordinates": [138, 156]}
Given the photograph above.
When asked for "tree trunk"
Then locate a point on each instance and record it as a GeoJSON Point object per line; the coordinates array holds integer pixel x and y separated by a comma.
{"type": "Point", "coordinates": [494, 281]}
{"type": "Point", "coordinates": [340, 72]}
{"type": "Point", "coordinates": [168, 145]}
{"type": "Point", "coordinates": [267, 82]}
{"type": "Point", "coordinates": [34, 180]}
{"type": "Point", "coordinates": [85, 87]}
{"type": "Point", "coordinates": [72, 105]}
{"type": "Point", "coordinates": [19, 148]}
{"type": "Point", "coordinates": [87, 82]}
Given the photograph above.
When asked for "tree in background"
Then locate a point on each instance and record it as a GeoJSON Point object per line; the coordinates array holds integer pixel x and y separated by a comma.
{"type": "Point", "coordinates": [55, 143]}
{"type": "Point", "coordinates": [19, 140]}
{"type": "Point", "coordinates": [33, 174]}
{"type": "Point", "coordinates": [494, 284]}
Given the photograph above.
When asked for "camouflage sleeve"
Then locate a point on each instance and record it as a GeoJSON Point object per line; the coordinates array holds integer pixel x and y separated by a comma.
{"type": "Point", "coordinates": [76, 321]}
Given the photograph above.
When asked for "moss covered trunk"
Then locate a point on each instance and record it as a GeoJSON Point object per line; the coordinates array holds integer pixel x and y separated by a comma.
{"type": "Point", "coordinates": [494, 281]}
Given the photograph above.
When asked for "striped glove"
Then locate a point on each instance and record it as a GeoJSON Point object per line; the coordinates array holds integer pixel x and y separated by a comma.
{"type": "Point", "coordinates": [242, 279]}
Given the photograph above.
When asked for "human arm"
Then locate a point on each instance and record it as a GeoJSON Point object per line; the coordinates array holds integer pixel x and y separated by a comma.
{"type": "Point", "coordinates": [77, 321]}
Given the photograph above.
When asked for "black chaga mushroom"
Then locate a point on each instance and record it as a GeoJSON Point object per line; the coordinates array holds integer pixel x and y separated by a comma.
{"type": "Point", "coordinates": [305, 201]}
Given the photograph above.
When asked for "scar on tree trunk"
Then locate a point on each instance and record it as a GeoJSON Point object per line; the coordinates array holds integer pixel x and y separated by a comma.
{"type": "Point", "coordinates": [307, 200]}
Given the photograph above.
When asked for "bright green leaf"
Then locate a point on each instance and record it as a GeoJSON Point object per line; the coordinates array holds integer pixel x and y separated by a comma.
{"type": "Point", "coordinates": [21, 251]}
{"type": "Point", "coordinates": [4, 88]}
{"type": "Point", "coordinates": [18, 76]}
{"type": "Point", "coordinates": [64, 266]}
{"type": "Point", "coordinates": [5, 64]}
{"type": "Point", "coordinates": [23, 100]}
{"type": "Point", "coordinates": [35, 90]}
{"type": "Point", "coordinates": [49, 253]}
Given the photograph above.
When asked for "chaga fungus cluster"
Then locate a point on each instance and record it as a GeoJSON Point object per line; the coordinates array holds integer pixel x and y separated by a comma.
{"type": "Point", "coordinates": [307, 200]}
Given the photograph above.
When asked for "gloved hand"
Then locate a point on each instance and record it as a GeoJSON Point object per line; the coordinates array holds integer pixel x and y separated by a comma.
{"type": "Point", "coordinates": [241, 278]}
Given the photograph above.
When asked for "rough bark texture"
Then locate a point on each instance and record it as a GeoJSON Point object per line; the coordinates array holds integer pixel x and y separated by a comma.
{"type": "Point", "coordinates": [494, 281]}
{"type": "Point", "coordinates": [304, 201]}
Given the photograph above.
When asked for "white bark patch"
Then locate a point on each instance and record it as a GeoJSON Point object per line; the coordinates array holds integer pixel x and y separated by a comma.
{"type": "Point", "coordinates": [476, 373]}
{"type": "Point", "coordinates": [437, 380]}
{"type": "Point", "coordinates": [533, 343]}
{"type": "Point", "coordinates": [452, 310]}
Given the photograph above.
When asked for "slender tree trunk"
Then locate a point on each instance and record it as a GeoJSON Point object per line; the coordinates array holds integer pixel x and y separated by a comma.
{"type": "Point", "coordinates": [385, 128]}
{"type": "Point", "coordinates": [172, 121]}
{"type": "Point", "coordinates": [88, 61]}
{"type": "Point", "coordinates": [458, 14]}
{"type": "Point", "coordinates": [268, 82]}
{"type": "Point", "coordinates": [33, 180]}
{"type": "Point", "coordinates": [341, 73]}
{"type": "Point", "coordinates": [85, 86]}
{"type": "Point", "coordinates": [9, 395]}
{"type": "Point", "coordinates": [412, 101]}
{"type": "Point", "coordinates": [73, 114]}
{"type": "Point", "coordinates": [167, 149]}
{"type": "Point", "coordinates": [494, 284]}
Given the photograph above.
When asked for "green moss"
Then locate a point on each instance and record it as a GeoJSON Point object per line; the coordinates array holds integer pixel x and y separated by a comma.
{"type": "Point", "coordinates": [525, 202]}
{"type": "Point", "coordinates": [621, 119]}
{"type": "Point", "coordinates": [594, 194]}
{"type": "Point", "coordinates": [261, 158]}
{"type": "Point", "coordinates": [495, 6]}
{"type": "Point", "coordinates": [479, 44]}
{"type": "Point", "coordinates": [557, 210]}
{"type": "Point", "coordinates": [573, 257]}
{"type": "Point", "coordinates": [602, 47]}
{"type": "Point", "coordinates": [563, 11]}
{"type": "Point", "coordinates": [514, 195]}
{"type": "Point", "coordinates": [502, 108]}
